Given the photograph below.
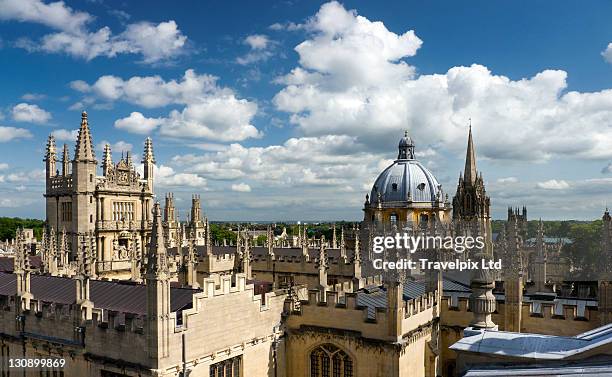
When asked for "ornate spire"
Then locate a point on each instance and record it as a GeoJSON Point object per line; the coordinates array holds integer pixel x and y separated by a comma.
{"type": "Point", "coordinates": [342, 244]}
{"type": "Point", "coordinates": [208, 237]}
{"type": "Point", "coordinates": [148, 151]}
{"type": "Point", "coordinates": [470, 160]}
{"type": "Point", "coordinates": [84, 147]}
{"type": "Point", "coordinates": [157, 262]}
{"type": "Point", "coordinates": [65, 160]}
{"type": "Point", "coordinates": [51, 150]}
{"type": "Point", "coordinates": [322, 266]}
{"type": "Point", "coordinates": [51, 157]}
{"type": "Point", "coordinates": [107, 159]}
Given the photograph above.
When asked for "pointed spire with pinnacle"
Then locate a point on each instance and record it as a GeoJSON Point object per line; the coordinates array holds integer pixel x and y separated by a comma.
{"type": "Point", "coordinates": [470, 160]}
{"type": "Point", "coordinates": [51, 157]}
{"type": "Point", "coordinates": [157, 263]}
{"type": "Point", "coordinates": [107, 159]}
{"type": "Point", "coordinates": [84, 150]}
{"type": "Point", "coordinates": [65, 160]}
{"type": "Point", "coordinates": [148, 151]}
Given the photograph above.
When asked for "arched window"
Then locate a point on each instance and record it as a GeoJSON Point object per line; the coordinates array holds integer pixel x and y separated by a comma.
{"type": "Point", "coordinates": [328, 360]}
{"type": "Point", "coordinates": [393, 218]}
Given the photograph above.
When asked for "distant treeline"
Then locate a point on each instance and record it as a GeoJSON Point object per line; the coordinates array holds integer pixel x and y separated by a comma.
{"type": "Point", "coordinates": [554, 228]}
{"type": "Point", "coordinates": [585, 248]}
{"type": "Point", "coordinates": [9, 225]}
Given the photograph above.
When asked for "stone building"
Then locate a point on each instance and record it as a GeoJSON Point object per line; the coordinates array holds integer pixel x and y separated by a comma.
{"type": "Point", "coordinates": [194, 308]}
{"type": "Point", "coordinates": [114, 207]}
{"type": "Point", "coordinates": [406, 191]}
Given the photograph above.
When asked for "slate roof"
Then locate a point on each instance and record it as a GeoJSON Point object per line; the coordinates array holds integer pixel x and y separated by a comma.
{"type": "Point", "coordinates": [109, 295]}
{"type": "Point", "coordinates": [7, 264]}
{"type": "Point", "coordinates": [533, 346]}
{"type": "Point", "coordinates": [374, 297]}
{"type": "Point", "coordinates": [565, 370]}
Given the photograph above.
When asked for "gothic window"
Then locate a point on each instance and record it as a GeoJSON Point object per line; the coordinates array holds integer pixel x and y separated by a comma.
{"type": "Point", "coordinates": [66, 211]}
{"type": "Point", "coordinates": [393, 218]}
{"type": "Point", "coordinates": [424, 218]}
{"type": "Point", "coordinates": [328, 360]}
{"type": "Point", "coordinates": [226, 368]}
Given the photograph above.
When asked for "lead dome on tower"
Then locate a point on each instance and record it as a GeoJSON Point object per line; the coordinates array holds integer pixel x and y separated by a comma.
{"type": "Point", "coordinates": [406, 190]}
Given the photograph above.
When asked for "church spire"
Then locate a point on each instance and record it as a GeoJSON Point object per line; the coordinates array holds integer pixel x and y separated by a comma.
{"type": "Point", "coordinates": [157, 262]}
{"type": "Point", "coordinates": [470, 160]}
{"type": "Point", "coordinates": [84, 147]}
{"type": "Point", "coordinates": [107, 159]}
{"type": "Point", "coordinates": [65, 160]}
{"type": "Point", "coordinates": [51, 157]}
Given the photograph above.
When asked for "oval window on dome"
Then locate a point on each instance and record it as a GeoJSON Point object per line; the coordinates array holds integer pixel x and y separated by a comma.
{"type": "Point", "coordinates": [394, 187]}
{"type": "Point", "coordinates": [421, 186]}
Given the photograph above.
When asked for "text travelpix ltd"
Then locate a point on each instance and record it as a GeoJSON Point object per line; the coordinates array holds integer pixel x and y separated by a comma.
{"type": "Point", "coordinates": [426, 264]}
{"type": "Point", "coordinates": [405, 244]}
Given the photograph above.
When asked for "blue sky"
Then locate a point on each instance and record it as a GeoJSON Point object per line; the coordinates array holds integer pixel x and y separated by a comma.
{"type": "Point", "coordinates": [289, 111]}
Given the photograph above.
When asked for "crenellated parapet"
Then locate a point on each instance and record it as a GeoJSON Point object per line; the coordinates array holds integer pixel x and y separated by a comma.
{"type": "Point", "coordinates": [568, 316]}
{"type": "Point", "coordinates": [349, 311]}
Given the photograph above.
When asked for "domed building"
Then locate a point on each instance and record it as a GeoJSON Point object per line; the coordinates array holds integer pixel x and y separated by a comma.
{"type": "Point", "coordinates": [406, 192]}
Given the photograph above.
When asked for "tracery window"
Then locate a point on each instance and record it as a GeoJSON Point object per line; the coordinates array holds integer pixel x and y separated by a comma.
{"type": "Point", "coordinates": [328, 360]}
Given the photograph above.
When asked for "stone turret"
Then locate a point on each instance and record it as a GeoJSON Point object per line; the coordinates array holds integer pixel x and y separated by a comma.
{"type": "Point", "coordinates": [270, 242]}
{"type": "Point", "coordinates": [196, 225]}
{"type": "Point", "coordinates": [22, 271]}
{"type": "Point", "coordinates": [209, 247]}
{"type": "Point", "coordinates": [482, 300]}
{"type": "Point", "coordinates": [322, 266]}
{"type": "Point", "coordinates": [158, 324]}
{"type": "Point", "coordinates": [148, 160]}
{"type": "Point", "coordinates": [246, 256]}
{"type": "Point", "coordinates": [84, 182]}
{"type": "Point", "coordinates": [51, 157]}
{"type": "Point", "coordinates": [357, 277]}
{"type": "Point", "coordinates": [513, 279]}
{"type": "Point", "coordinates": [65, 161]}
{"type": "Point", "coordinates": [107, 160]}
{"type": "Point", "coordinates": [84, 304]}
{"type": "Point", "coordinates": [334, 239]}
{"type": "Point", "coordinates": [343, 255]}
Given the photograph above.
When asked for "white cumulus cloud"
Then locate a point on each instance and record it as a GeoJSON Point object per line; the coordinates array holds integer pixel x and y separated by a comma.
{"type": "Point", "coordinates": [241, 187]}
{"type": "Point", "coordinates": [553, 184]}
{"type": "Point", "coordinates": [209, 111]}
{"type": "Point", "coordinates": [12, 133]}
{"type": "Point", "coordinates": [154, 42]}
{"type": "Point", "coordinates": [137, 123]}
{"type": "Point", "coordinates": [24, 112]}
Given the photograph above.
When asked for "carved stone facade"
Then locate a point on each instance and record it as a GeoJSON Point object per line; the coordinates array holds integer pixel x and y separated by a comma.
{"type": "Point", "coordinates": [115, 207]}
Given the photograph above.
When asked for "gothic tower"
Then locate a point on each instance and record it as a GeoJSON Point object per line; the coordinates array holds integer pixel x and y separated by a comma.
{"type": "Point", "coordinates": [83, 182]}
{"type": "Point", "coordinates": [471, 203]}
{"type": "Point", "coordinates": [158, 291]}
{"type": "Point", "coordinates": [513, 280]}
